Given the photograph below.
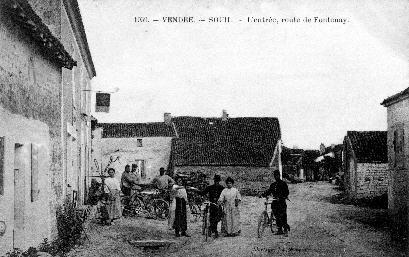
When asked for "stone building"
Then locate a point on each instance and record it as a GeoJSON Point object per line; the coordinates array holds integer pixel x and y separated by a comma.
{"type": "Point", "coordinates": [144, 145]}
{"type": "Point", "coordinates": [398, 161]}
{"type": "Point", "coordinates": [33, 60]}
{"type": "Point", "coordinates": [366, 164]}
{"type": "Point", "coordinates": [247, 149]}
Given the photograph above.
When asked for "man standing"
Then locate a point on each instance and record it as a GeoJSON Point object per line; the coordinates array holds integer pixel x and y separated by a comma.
{"type": "Point", "coordinates": [128, 180]}
{"type": "Point", "coordinates": [214, 192]}
{"type": "Point", "coordinates": [279, 190]}
{"type": "Point", "coordinates": [162, 181]}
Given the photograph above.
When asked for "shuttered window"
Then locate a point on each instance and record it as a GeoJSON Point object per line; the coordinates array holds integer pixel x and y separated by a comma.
{"type": "Point", "coordinates": [1, 165]}
{"type": "Point", "coordinates": [34, 172]}
{"type": "Point", "coordinates": [399, 146]}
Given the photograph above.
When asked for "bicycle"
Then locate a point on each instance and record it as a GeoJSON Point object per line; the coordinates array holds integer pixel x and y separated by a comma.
{"type": "Point", "coordinates": [266, 220]}
{"type": "Point", "coordinates": [195, 201]}
{"type": "Point", "coordinates": [206, 219]}
{"type": "Point", "coordinates": [146, 203]}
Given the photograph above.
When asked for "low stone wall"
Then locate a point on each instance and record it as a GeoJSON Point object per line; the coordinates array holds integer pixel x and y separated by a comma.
{"type": "Point", "coordinates": [249, 180]}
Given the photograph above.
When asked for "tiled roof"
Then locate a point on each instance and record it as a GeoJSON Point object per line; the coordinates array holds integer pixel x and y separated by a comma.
{"type": "Point", "coordinates": [395, 97]}
{"type": "Point", "coordinates": [233, 142]}
{"type": "Point", "coordinates": [369, 146]}
{"type": "Point", "coordinates": [128, 130]}
{"type": "Point", "coordinates": [22, 13]}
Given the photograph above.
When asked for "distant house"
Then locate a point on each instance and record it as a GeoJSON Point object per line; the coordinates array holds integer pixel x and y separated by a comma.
{"type": "Point", "coordinates": [308, 168]}
{"type": "Point", "coordinates": [291, 160]}
{"type": "Point", "coordinates": [398, 152]}
{"type": "Point", "coordinates": [366, 163]}
{"type": "Point", "coordinates": [299, 164]}
{"type": "Point", "coordinates": [144, 145]}
{"type": "Point", "coordinates": [329, 161]}
{"type": "Point", "coordinates": [247, 149]}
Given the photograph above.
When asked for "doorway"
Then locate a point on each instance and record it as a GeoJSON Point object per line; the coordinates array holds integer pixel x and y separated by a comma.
{"type": "Point", "coordinates": [19, 197]}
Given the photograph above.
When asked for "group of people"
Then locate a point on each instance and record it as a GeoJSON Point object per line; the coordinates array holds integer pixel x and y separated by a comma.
{"type": "Point", "coordinates": [225, 201]}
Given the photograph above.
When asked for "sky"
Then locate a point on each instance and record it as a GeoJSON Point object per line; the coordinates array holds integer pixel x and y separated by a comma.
{"type": "Point", "coordinates": [319, 79]}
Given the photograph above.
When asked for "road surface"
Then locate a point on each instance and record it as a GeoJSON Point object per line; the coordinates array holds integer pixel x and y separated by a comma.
{"type": "Point", "coordinates": [318, 228]}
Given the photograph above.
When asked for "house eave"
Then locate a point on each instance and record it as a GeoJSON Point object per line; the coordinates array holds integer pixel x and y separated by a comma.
{"type": "Point", "coordinates": [23, 14]}
{"type": "Point", "coordinates": [74, 15]}
{"type": "Point", "coordinates": [395, 99]}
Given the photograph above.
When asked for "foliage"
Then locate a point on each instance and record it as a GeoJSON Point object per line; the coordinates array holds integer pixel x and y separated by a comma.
{"type": "Point", "coordinates": [31, 252]}
{"type": "Point", "coordinates": [194, 179]}
{"type": "Point", "coordinates": [70, 227]}
{"type": "Point", "coordinates": [52, 248]}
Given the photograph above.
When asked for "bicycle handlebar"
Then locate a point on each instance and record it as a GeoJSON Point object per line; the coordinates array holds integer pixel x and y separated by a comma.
{"type": "Point", "coordinates": [209, 203]}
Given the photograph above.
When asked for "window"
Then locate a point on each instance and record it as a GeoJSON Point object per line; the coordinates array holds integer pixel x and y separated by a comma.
{"type": "Point", "coordinates": [139, 142]}
{"type": "Point", "coordinates": [34, 173]}
{"type": "Point", "coordinates": [398, 146]}
{"type": "Point", "coordinates": [1, 165]}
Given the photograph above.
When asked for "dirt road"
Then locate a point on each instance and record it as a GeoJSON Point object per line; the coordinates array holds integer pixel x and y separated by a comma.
{"type": "Point", "coordinates": [318, 228]}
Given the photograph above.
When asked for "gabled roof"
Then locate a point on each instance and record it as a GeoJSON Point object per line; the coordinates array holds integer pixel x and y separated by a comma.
{"type": "Point", "coordinates": [395, 97]}
{"type": "Point", "coordinates": [133, 130]}
{"type": "Point", "coordinates": [242, 141]}
{"type": "Point", "coordinates": [369, 146]}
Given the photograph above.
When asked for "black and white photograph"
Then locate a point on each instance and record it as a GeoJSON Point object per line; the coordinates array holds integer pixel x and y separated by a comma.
{"type": "Point", "coordinates": [204, 128]}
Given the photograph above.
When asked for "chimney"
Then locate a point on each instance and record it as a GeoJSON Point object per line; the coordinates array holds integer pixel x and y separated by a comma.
{"type": "Point", "coordinates": [225, 115]}
{"type": "Point", "coordinates": [167, 118]}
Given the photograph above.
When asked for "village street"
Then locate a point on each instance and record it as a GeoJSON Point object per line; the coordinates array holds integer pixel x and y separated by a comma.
{"type": "Point", "coordinates": [318, 228]}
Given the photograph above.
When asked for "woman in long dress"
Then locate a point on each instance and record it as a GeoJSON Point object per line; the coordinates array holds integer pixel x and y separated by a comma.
{"type": "Point", "coordinates": [230, 199]}
{"type": "Point", "coordinates": [113, 187]}
{"type": "Point", "coordinates": [179, 205]}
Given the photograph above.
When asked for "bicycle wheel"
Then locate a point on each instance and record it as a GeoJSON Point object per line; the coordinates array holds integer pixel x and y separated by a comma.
{"type": "Point", "coordinates": [206, 225]}
{"type": "Point", "coordinates": [136, 206]}
{"type": "Point", "coordinates": [204, 222]}
{"type": "Point", "coordinates": [272, 223]}
{"type": "Point", "coordinates": [160, 208]}
{"type": "Point", "coordinates": [195, 211]}
{"type": "Point", "coordinates": [262, 222]}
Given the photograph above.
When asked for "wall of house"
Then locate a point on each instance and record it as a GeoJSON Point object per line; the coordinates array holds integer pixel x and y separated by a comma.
{"type": "Point", "coordinates": [49, 11]}
{"type": "Point", "coordinates": [96, 154]}
{"type": "Point", "coordinates": [155, 152]}
{"type": "Point", "coordinates": [246, 178]}
{"type": "Point", "coordinates": [397, 114]}
{"type": "Point", "coordinates": [371, 180]}
{"type": "Point", "coordinates": [76, 126]}
{"type": "Point", "coordinates": [30, 115]}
